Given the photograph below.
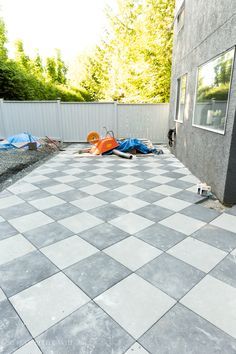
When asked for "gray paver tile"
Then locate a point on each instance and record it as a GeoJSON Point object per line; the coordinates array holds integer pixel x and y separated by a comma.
{"type": "Point", "coordinates": [35, 195]}
{"type": "Point", "coordinates": [200, 212]}
{"type": "Point", "coordinates": [111, 196]}
{"type": "Point", "coordinates": [217, 237]}
{"type": "Point", "coordinates": [76, 334]}
{"type": "Point", "coordinates": [108, 212]}
{"type": "Point", "coordinates": [72, 195]}
{"type": "Point", "coordinates": [136, 348]}
{"type": "Point", "coordinates": [183, 331]}
{"type": "Point", "coordinates": [226, 270]}
{"type": "Point", "coordinates": [16, 211]}
{"type": "Point", "coordinates": [146, 184]}
{"type": "Point", "coordinates": [12, 200]}
{"type": "Point", "coordinates": [62, 211]}
{"type": "Point", "coordinates": [13, 333]}
{"type": "Point", "coordinates": [180, 184]}
{"type": "Point", "coordinates": [56, 297]}
{"type": "Point", "coordinates": [25, 271]}
{"type": "Point", "coordinates": [96, 273]}
{"type": "Point", "coordinates": [149, 196]}
{"type": "Point", "coordinates": [103, 236]}
{"type": "Point", "coordinates": [215, 301]}
{"type": "Point", "coordinates": [136, 311]}
{"type": "Point", "coordinates": [88, 203]}
{"type": "Point", "coordinates": [171, 275]}
{"type": "Point", "coordinates": [6, 230]}
{"type": "Point", "coordinates": [47, 234]}
{"type": "Point", "coordinates": [189, 196]}
{"type": "Point", "coordinates": [160, 236]}
{"type": "Point", "coordinates": [154, 212]}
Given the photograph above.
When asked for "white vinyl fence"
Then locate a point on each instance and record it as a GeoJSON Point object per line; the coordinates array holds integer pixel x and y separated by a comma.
{"type": "Point", "coordinates": [71, 122]}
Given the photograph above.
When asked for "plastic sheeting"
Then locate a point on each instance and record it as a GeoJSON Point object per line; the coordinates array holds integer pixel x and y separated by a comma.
{"type": "Point", "coordinates": [18, 138]}
{"type": "Point", "coordinates": [129, 144]}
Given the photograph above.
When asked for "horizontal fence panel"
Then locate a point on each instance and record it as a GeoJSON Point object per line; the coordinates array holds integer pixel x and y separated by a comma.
{"type": "Point", "coordinates": [38, 118]}
{"type": "Point", "coordinates": [79, 119]}
{"type": "Point", "coordinates": [143, 121]}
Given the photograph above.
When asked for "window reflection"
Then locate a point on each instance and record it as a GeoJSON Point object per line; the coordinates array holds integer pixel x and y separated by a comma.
{"type": "Point", "coordinates": [213, 86]}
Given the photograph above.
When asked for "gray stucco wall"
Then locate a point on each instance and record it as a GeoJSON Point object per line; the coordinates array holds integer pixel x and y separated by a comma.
{"type": "Point", "coordinates": [209, 29]}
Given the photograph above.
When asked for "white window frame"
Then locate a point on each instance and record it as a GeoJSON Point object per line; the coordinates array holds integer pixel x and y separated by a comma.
{"type": "Point", "coordinates": [221, 132]}
{"type": "Point", "coordinates": [177, 99]}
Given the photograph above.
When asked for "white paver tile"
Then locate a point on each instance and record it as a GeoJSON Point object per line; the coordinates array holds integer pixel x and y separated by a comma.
{"type": "Point", "coordinates": [182, 223]}
{"type": "Point", "coordinates": [132, 252]}
{"type": "Point", "coordinates": [22, 187]}
{"type": "Point", "coordinates": [135, 304]}
{"type": "Point", "coordinates": [131, 223]}
{"type": "Point", "coordinates": [215, 301]}
{"type": "Point", "coordinates": [88, 203]}
{"type": "Point", "coordinates": [225, 221]}
{"type": "Point", "coordinates": [80, 222]}
{"type": "Point", "coordinates": [10, 201]}
{"type": "Point", "coordinates": [29, 348]}
{"type": "Point", "coordinates": [129, 189]}
{"type": "Point", "coordinates": [130, 203]}
{"type": "Point", "coordinates": [166, 190]}
{"type": "Point", "coordinates": [44, 304]}
{"type": "Point", "coordinates": [14, 247]}
{"type": "Point", "coordinates": [198, 254]}
{"type": "Point", "coordinates": [47, 202]}
{"type": "Point", "coordinates": [94, 189]}
{"type": "Point", "coordinates": [66, 252]}
{"type": "Point", "coordinates": [58, 188]}
{"type": "Point", "coordinates": [172, 203]}
{"type": "Point", "coordinates": [30, 221]}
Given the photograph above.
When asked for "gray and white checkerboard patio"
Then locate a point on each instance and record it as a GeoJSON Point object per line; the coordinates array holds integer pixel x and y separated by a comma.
{"type": "Point", "coordinates": [105, 255]}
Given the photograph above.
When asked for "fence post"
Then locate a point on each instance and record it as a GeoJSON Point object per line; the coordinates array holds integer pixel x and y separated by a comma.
{"type": "Point", "coordinates": [116, 119]}
{"type": "Point", "coordinates": [60, 119]}
{"type": "Point", "coordinates": [2, 124]}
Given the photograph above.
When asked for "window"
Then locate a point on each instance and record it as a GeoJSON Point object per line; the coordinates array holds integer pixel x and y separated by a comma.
{"type": "Point", "coordinates": [212, 94]}
{"type": "Point", "coordinates": [181, 97]}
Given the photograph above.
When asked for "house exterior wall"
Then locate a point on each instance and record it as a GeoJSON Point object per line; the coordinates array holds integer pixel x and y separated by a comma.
{"type": "Point", "coordinates": [209, 30]}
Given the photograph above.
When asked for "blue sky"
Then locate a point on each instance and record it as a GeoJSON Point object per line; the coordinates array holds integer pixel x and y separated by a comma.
{"type": "Point", "coordinates": [73, 26]}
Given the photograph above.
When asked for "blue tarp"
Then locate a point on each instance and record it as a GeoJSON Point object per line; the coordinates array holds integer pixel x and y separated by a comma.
{"type": "Point", "coordinates": [18, 138]}
{"type": "Point", "coordinates": [129, 144]}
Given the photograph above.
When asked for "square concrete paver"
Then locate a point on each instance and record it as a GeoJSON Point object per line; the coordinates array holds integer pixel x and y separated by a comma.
{"type": "Point", "coordinates": [13, 333]}
{"type": "Point", "coordinates": [13, 247]}
{"type": "Point", "coordinates": [103, 236]}
{"type": "Point", "coordinates": [225, 221]}
{"type": "Point", "coordinates": [97, 273]}
{"type": "Point", "coordinates": [198, 254]}
{"type": "Point", "coordinates": [171, 275]}
{"type": "Point", "coordinates": [80, 222]}
{"type": "Point", "coordinates": [66, 252]}
{"type": "Point", "coordinates": [131, 223]}
{"type": "Point", "coordinates": [46, 303]}
{"type": "Point", "coordinates": [77, 334]}
{"type": "Point", "coordinates": [215, 301]}
{"type": "Point", "coordinates": [132, 252]}
{"type": "Point", "coordinates": [24, 271]}
{"type": "Point", "coordinates": [127, 235]}
{"type": "Point", "coordinates": [133, 299]}
{"type": "Point", "coordinates": [182, 223]}
{"type": "Point", "coordinates": [30, 221]}
{"type": "Point", "coordinates": [183, 331]}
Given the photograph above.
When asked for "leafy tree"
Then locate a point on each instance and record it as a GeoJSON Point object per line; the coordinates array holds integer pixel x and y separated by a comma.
{"type": "Point", "coordinates": [3, 40]}
{"type": "Point", "coordinates": [20, 55]}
